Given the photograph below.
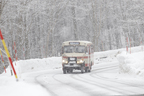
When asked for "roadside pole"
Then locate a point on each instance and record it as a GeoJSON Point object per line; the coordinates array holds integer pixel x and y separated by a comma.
{"type": "Point", "coordinates": [15, 52]}
{"type": "Point", "coordinates": [130, 46]}
{"type": "Point", "coordinates": [8, 55]}
{"type": "Point", "coordinates": [141, 46]}
{"type": "Point", "coordinates": [127, 44]}
{"type": "Point", "coordinates": [2, 60]}
{"type": "Point", "coordinates": [24, 53]}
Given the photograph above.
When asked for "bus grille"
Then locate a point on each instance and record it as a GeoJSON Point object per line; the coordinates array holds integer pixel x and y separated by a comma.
{"type": "Point", "coordinates": [72, 59]}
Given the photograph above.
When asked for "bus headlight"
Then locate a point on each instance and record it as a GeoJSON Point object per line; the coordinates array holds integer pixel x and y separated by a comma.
{"type": "Point", "coordinates": [64, 61]}
{"type": "Point", "coordinates": [80, 61]}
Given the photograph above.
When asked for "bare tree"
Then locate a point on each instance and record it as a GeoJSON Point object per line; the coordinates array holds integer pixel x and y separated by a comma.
{"type": "Point", "coordinates": [2, 5]}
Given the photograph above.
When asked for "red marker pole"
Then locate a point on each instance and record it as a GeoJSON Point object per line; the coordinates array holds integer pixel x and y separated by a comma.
{"type": "Point", "coordinates": [2, 60]}
{"type": "Point", "coordinates": [15, 52]}
{"type": "Point", "coordinates": [8, 55]}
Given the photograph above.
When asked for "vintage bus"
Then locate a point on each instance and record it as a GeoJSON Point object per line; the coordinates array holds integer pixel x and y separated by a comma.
{"type": "Point", "coordinates": [77, 55]}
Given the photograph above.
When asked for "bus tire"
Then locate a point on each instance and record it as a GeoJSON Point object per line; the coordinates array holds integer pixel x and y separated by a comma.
{"type": "Point", "coordinates": [64, 71]}
{"type": "Point", "coordinates": [86, 69]}
{"type": "Point", "coordinates": [90, 67]}
{"type": "Point", "coordinates": [82, 69]}
{"type": "Point", "coordinates": [89, 70]}
{"type": "Point", "coordinates": [71, 70]}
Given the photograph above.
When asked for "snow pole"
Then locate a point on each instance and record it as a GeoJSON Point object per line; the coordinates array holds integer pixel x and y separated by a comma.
{"type": "Point", "coordinates": [141, 46]}
{"type": "Point", "coordinates": [44, 51]}
{"type": "Point", "coordinates": [130, 46]}
{"type": "Point", "coordinates": [15, 52]}
{"type": "Point", "coordinates": [102, 46]}
{"type": "Point", "coordinates": [127, 44]}
{"type": "Point", "coordinates": [8, 55]}
{"type": "Point", "coordinates": [24, 53]}
{"type": "Point", "coordinates": [2, 60]}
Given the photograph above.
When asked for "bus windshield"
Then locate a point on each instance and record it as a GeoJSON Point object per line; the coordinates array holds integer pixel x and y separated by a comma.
{"type": "Point", "coordinates": [74, 49]}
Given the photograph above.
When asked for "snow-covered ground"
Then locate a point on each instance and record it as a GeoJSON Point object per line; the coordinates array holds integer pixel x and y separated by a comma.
{"type": "Point", "coordinates": [130, 63]}
{"type": "Point", "coordinates": [30, 72]}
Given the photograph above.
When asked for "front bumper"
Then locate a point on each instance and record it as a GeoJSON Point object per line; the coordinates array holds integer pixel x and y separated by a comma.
{"type": "Point", "coordinates": [69, 65]}
{"type": "Point", "coordinates": [72, 65]}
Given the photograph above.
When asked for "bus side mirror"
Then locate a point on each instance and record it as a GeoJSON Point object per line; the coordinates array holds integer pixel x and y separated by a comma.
{"type": "Point", "coordinates": [86, 53]}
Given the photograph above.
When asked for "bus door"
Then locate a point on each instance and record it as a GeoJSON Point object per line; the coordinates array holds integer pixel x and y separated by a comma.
{"type": "Point", "coordinates": [88, 50]}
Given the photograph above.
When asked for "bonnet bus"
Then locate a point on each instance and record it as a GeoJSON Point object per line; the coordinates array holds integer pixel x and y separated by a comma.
{"type": "Point", "coordinates": [77, 55]}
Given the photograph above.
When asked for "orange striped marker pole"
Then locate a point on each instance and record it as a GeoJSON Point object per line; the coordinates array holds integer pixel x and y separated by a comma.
{"type": "Point", "coordinates": [7, 52]}
{"type": "Point", "coordinates": [2, 60]}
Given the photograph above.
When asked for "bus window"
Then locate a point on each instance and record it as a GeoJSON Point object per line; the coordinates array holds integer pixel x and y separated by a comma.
{"type": "Point", "coordinates": [69, 49]}
{"type": "Point", "coordinates": [92, 50]}
{"type": "Point", "coordinates": [72, 49]}
{"type": "Point", "coordinates": [80, 49]}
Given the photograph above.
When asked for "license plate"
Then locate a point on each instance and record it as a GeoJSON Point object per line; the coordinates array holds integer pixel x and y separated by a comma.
{"type": "Point", "coordinates": [72, 58]}
{"type": "Point", "coordinates": [72, 62]}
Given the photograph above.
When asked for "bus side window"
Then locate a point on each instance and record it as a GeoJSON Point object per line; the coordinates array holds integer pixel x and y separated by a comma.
{"type": "Point", "coordinates": [92, 49]}
{"type": "Point", "coordinates": [86, 51]}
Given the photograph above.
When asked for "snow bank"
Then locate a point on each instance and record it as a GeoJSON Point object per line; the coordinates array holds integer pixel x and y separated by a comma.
{"type": "Point", "coordinates": [8, 83]}
{"type": "Point", "coordinates": [112, 54]}
{"type": "Point", "coordinates": [9, 87]}
{"type": "Point", "coordinates": [131, 63]}
{"type": "Point", "coordinates": [31, 65]}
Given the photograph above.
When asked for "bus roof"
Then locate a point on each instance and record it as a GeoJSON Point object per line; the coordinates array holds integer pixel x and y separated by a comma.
{"type": "Point", "coordinates": [77, 43]}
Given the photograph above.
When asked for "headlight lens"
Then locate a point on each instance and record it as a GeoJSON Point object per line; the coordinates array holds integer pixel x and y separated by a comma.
{"type": "Point", "coordinates": [64, 61]}
{"type": "Point", "coordinates": [80, 61]}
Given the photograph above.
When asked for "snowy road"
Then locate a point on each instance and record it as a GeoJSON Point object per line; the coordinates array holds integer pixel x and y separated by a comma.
{"type": "Point", "coordinates": [103, 80]}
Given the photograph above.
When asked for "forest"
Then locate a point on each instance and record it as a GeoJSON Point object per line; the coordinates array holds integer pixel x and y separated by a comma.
{"type": "Point", "coordinates": [38, 27]}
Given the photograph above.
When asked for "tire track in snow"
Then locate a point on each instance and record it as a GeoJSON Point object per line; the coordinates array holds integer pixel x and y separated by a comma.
{"type": "Point", "coordinates": [106, 86]}
{"type": "Point", "coordinates": [43, 85]}
{"type": "Point", "coordinates": [95, 75]}
{"type": "Point", "coordinates": [74, 85]}
{"type": "Point", "coordinates": [94, 83]}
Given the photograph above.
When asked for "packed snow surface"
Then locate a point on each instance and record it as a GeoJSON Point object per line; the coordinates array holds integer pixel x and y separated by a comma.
{"type": "Point", "coordinates": [130, 65]}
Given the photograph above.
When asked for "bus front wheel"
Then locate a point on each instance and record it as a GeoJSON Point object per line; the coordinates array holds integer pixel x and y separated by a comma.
{"type": "Point", "coordinates": [82, 69]}
{"type": "Point", "coordinates": [64, 71]}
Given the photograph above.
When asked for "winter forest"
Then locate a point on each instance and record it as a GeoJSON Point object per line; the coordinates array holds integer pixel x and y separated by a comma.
{"type": "Point", "coordinates": [38, 27]}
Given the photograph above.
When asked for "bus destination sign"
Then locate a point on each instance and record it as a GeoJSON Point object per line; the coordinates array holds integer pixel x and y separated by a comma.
{"type": "Point", "coordinates": [74, 43]}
